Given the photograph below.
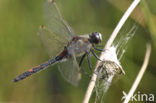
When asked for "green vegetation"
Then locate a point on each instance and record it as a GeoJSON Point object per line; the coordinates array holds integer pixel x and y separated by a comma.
{"type": "Point", "coordinates": [21, 49]}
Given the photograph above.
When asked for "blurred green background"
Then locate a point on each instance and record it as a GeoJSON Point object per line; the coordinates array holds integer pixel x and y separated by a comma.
{"type": "Point", "coordinates": [21, 49]}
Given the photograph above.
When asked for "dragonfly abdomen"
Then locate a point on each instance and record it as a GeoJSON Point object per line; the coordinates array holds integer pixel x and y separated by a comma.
{"type": "Point", "coordinates": [36, 69]}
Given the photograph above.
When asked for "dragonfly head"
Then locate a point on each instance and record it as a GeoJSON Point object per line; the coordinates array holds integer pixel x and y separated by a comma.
{"type": "Point", "coordinates": [95, 37]}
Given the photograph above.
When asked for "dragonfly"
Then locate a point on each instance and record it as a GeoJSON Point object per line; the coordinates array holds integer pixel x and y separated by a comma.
{"type": "Point", "coordinates": [57, 36]}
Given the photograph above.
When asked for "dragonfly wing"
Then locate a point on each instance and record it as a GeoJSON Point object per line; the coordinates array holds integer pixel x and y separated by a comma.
{"type": "Point", "coordinates": [53, 43]}
{"type": "Point", "coordinates": [70, 70]}
{"type": "Point", "coordinates": [55, 22]}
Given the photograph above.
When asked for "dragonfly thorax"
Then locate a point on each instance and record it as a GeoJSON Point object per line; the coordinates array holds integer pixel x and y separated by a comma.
{"type": "Point", "coordinates": [79, 46]}
{"type": "Point", "coordinates": [95, 37]}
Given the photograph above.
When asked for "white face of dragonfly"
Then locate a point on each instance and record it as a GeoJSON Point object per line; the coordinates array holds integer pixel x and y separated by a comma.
{"type": "Point", "coordinates": [99, 36]}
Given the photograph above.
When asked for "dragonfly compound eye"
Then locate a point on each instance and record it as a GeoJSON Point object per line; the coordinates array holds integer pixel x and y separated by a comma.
{"type": "Point", "coordinates": [95, 37]}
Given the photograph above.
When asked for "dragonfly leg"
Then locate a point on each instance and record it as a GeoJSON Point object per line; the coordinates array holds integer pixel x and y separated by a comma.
{"type": "Point", "coordinates": [98, 49]}
{"type": "Point", "coordinates": [82, 58]}
{"type": "Point", "coordinates": [89, 63]}
{"type": "Point", "coordinates": [95, 55]}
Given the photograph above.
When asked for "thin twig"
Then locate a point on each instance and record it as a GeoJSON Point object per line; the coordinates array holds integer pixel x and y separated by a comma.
{"type": "Point", "coordinates": [140, 75]}
{"type": "Point", "coordinates": [108, 44]}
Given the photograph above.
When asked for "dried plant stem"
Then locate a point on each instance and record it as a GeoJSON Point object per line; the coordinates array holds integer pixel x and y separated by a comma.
{"type": "Point", "coordinates": [108, 44]}
{"type": "Point", "coordinates": [140, 75]}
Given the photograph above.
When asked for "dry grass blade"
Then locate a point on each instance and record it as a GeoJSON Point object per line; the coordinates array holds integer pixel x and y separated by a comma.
{"type": "Point", "coordinates": [140, 75]}
{"type": "Point", "coordinates": [108, 44]}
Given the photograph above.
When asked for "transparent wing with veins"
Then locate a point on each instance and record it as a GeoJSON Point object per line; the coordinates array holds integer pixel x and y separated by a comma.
{"type": "Point", "coordinates": [70, 70]}
{"type": "Point", "coordinates": [55, 35]}
{"type": "Point", "coordinates": [55, 22]}
{"type": "Point", "coordinates": [53, 43]}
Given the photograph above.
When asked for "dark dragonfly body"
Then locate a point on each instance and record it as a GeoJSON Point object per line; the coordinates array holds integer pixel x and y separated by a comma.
{"type": "Point", "coordinates": [36, 69]}
{"type": "Point", "coordinates": [78, 46]}
{"type": "Point", "coordinates": [57, 36]}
